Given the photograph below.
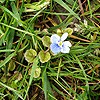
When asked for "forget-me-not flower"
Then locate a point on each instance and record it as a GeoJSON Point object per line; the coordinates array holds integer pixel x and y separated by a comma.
{"type": "Point", "coordinates": [59, 45]}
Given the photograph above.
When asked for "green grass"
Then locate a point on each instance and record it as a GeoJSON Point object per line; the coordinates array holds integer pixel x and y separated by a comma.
{"type": "Point", "coordinates": [72, 76]}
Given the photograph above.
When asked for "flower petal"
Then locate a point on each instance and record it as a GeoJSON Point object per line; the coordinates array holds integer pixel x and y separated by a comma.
{"type": "Point", "coordinates": [65, 49]}
{"type": "Point", "coordinates": [55, 38]}
{"type": "Point", "coordinates": [55, 48]}
{"type": "Point", "coordinates": [67, 43]}
{"type": "Point", "coordinates": [64, 36]}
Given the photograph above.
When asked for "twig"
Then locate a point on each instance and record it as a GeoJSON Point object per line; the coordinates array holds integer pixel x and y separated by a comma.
{"type": "Point", "coordinates": [96, 67]}
{"type": "Point", "coordinates": [80, 4]}
{"type": "Point", "coordinates": [84, 2]}
{"type": "Point", "coordinates": [47, 50]}
{"type": "Point", "coordinates": [75, 37]}
{"type": "Point", "coordinates": [94, 23]}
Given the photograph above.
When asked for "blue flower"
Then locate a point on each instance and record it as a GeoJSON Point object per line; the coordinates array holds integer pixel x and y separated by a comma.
{"type": "Point", "coordinates": [59, 45]}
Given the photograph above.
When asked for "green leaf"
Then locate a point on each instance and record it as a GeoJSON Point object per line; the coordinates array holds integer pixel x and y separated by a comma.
{"type": "Point", "coordinates": [44, 56]}
{"type": "Point", "coordinates": [37, 72]}
{"type": "Point", "coordinates": [59, 31]}
{"type": "Point", "coordinates": [68, 30]}
{"type": "Point", "coordinates": [46, 41]}
{"type": "Point", "coordinates": [34, 66]}
{"type": "Point", "coordinates": [60, 2]}
{"type": "Point", "coordinates": [13, 15]}
{"type": "Point", "coordinates": [44, 83]}
{"type": "Point", "coordinates": [11, 89]}
{"type": "Point", "coordinates": [15, 12]}
{"type": "Point", "coordinates": [71, 2]}
{"type": "Point", "coordinates": [36, 6]}
{"type": "Point", "coordinates": [47, 86]}
{"type": "Point", "coordinates": [7, 59]}
{"type": "Point", "coordinates": [12, 65]}
{"type": "Point", "coordinates": [19, 77]}
{"type": "Point", "coordinates": [30, 55]}
{"type": "Point", "coordinates": [2, 1]}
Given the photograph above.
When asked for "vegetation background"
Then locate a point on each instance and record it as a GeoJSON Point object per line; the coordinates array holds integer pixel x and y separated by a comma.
{"type": "Point", "coordinates": [72, 76]}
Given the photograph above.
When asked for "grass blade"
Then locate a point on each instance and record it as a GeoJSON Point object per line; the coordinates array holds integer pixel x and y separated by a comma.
{"type": "Point", "coordinates": [7, 59]}
{"type": "Point", "coordinates": [31, 76]}
{"type": "Point", "coordinates": [13, 90]}
{"type": "Point", "coordinates": [60, 2]}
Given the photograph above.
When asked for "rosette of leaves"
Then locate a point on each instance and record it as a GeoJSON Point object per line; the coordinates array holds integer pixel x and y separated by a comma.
{"type": "Point", "coordinates": [46, 41]}
{"type": "Point", "coordinates": [30, 55]}
{"type": "Point", "coordinates": [44, 56]}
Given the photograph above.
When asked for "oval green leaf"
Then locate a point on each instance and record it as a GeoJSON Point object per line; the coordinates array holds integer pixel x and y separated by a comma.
{"type": "Point", "coordinates": [68, 30]}
{"type": "Point", "coordinates": [46, 41]}
{"type": "Point", "coordinates": [37, 72]}
{"type": "Point", "coordinates": [12, 65]}
{"type": "Point", "coordinates": [44, 56]}
{"type": "Point", "coordinates": [30, 55]}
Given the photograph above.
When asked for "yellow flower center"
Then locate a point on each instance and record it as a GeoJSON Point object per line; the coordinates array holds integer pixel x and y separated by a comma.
{"type": "Point", "coordinates": [60, 43]}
